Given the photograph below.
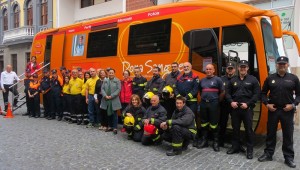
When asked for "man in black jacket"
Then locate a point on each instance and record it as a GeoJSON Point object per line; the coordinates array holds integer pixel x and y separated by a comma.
{"type": "Point", "coordinates": [180, 128]}
{"type": "Point", "coordinates": [242, 93]}
{"type": "Point", "coordinates": [283, 86]}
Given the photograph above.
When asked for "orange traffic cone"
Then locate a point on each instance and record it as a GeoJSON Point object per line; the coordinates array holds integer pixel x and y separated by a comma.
{"type": "Point", "coordinates": [9, 113]}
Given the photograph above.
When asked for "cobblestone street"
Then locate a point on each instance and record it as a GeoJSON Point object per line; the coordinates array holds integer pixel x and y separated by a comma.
{"type": "Point", "coordinates": [37, 143]}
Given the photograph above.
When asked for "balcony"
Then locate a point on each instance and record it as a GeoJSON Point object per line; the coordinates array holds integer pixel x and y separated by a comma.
{"type": "Point", "coordinates": [18, 35]}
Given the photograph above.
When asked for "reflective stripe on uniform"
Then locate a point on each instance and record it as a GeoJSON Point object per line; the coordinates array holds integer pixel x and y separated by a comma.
{"type": "Point", "coordinates": [155, 139]}
{"type": "Point", "coordinates": [177, 145]}
{"type": "Point", "coordinates": [139, 119]}
{"type": "Point", "coordinates": [141, 85]}
{"type": "Point", "coordinates": [152, 120]}
{"type": "Point", "coordinates": [169, 122]}
{"type": "Point", "coordinates": [193, 131]}
{"type": "Point", "coordinates": [138, 127]}
{"type": "Point", "coordinates": [192, 100]}
{"type": "Point", "coordinates": [155, 89]}
{"type": "Point", "coordinates": [213, 126]}
{"type": "Point", "coordinates": [190, 95]}
{"type": "Point", "coordinates": [178, 95]}
{"type": "Point", "coordinates": [204, 124]}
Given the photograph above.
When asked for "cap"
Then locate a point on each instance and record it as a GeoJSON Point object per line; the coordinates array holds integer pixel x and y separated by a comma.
{"type": "Point", "coordinates": [27, 70]}
{"type": "Point", "coordinates": [230, 65]}
{"type": "Point", "coordinates": [45, 71]}
{"type": "Point", "coordinates": [62, 68]}
{"type": "Point", "coordinates": [108, 68]}
{"type": "Point", "coordinates": [282, 59]}
{"type": "Point", "coordinates": [79, 69]}
{"type": "Point", "coordinates": [243, 63]}
{"type": "Point", "coordinates": [67, 72]}
{"type": "Point", "coordinates": [53, 71]}
{"type": "Point", "coordinates": [35, 75]}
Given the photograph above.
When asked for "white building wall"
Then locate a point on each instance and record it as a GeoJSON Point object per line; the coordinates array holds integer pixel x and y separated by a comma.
{"type": "Point", "coordinates": [99, 10]}
{"type": "Point", "coordinates": [65, 11]}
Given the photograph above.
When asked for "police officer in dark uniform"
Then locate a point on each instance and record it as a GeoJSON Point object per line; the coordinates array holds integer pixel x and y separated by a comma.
{"type": "Point", "coordinates": [169, 98]}
{"type": "Point", "coordinates": [212, 91]}
{"type": "Point", "coordinates": [187, 86]}
{"type": "Point", "coordinates": [156, 83]}
{"type": "Point", "coordinates": [56, 90]}
{"type": "Point", "coordinates": [138, 83]}
{"type": "Point", "coordinates": [180, 129]}
{"type": "Point", "coordinates": [46, 91]}
{"type": "Point", "coordinates": [225, 106]}
{"type": "Point", "coordinates": [281, 105]}
{"type": "Point", "coordinates": [243, 92]}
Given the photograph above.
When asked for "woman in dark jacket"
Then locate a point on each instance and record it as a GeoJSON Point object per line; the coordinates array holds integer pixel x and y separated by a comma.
{"type": "Point", "coordinates": [136, 110]}
{"type": "Point", "coordinates": [101, 115]}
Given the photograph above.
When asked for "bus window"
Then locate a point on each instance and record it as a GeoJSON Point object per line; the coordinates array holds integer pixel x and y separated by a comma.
{"type": "Point", "coordinates": [203, 48]}
{"type": "Point", "coordinates": [238, 45]}
{"type": "Point", "coordinates": [151, 37]}
{"type": "Point", "coordinates": [47, 54]}
{"type": "Point", "coordinates": [103, 43]}
{"type": "Point", "coordinates": [271, 47]}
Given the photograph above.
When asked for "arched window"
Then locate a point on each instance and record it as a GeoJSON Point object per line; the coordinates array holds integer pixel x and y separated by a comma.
{"type": "Point", "coordinates": [29, 13]}
{"type": "Point", "coordinates": [44, 12]}
{"type": "Point", "coordinates": [5, 20]}
{"type": "Point", "coordinates": [16, 16]}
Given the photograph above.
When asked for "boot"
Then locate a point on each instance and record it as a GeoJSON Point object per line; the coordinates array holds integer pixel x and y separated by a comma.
{"type": "Point", "coordinates": [216, 143]}
{"type": "Point", "coordinates": [185, 145]}
{"type": "Point", "coordinates": [204, 141]}
{"type": "Point", "coordinates": [174, 151]}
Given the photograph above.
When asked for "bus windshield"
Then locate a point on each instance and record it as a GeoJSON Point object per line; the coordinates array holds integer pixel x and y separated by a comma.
{"type": "Point", "coordinates": [274, 48]}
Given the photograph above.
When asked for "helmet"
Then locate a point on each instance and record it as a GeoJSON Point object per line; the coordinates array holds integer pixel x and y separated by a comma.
{"type": "Point", "coordinates": [167, 91]}
{"type": "Point", "coordinates": [150, 130]}
{"type": "Point", "coordinates": [148, 95]}
{"type": "Point", "coordinates": [129, 121]}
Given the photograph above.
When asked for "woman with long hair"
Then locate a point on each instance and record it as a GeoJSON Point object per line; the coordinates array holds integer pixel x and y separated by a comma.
{"type": "Point", "coordinates": [137, 111]}
{"type": "Point", "coordinates": [32, 65]}
{"type": "Point", "coordinates": [66, 100]}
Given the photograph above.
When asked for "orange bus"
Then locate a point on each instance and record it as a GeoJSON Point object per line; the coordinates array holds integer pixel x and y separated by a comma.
{"type": "Point", "coordinates": [198, 31]}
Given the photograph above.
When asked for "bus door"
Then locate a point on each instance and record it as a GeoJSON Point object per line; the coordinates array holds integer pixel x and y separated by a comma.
{"type": "Point", "coordinates": [56, 59]}
{"type": "Point", "coordinates": [203, 49]}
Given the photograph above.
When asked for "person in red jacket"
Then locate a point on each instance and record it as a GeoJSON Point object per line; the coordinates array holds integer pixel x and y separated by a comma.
{"type": "Point", "coordinates": [126, 90]}
{"type": "Point", "coordinates": [32, 65]}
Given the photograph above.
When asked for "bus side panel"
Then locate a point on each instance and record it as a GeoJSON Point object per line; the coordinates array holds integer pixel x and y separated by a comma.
{"type": "Point", "coordinates": [38, 48]}
{"type": "Point", "coordinates": [57, 50]}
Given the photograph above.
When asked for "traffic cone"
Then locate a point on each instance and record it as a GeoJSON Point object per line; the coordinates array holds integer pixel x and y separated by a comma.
{"type": "Point", "coordinates": [9, 112]}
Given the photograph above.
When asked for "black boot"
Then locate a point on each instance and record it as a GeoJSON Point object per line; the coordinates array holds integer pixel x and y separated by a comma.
{"type": "Point", "coordinates": [204, 141]}
{"type": "Point", "coordinates": [216, 142]}
{"type": "Point", "coordinates": [174, 151]}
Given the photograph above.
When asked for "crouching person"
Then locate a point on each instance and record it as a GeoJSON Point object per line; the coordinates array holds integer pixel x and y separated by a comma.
{"type": "Point", "coordinates": [180, 129]}
{"type": "Point", "coordinates": [155, 115]}
{"type": "Point", "coordinates": [133, 115]}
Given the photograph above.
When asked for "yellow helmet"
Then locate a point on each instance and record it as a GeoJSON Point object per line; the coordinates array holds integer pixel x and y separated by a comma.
{"type": "Point", "coordinates": [129, 121]}
{"type": "Point", "coordinates": [148, 95]}
{"type": "Point", "coordinates": [168, 89]}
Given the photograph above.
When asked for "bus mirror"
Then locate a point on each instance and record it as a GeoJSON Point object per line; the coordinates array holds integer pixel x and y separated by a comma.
{"type": "Point", "coordinates": [295, 37]}
{"type": "Point", "coordinates": [276, 26]}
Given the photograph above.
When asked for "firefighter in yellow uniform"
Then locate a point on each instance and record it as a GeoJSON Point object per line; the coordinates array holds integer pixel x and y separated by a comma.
{"type": "Point", "coordinates": [76, 85]}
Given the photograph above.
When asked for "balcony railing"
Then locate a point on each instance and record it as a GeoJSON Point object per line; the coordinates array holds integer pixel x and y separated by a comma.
{"type": "Point", "coordinates": [22, 33]}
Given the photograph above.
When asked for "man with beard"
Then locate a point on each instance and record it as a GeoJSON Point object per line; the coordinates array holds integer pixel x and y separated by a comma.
{"type": "Point", "coordinates": [156, 83]}
{"type": "Point", "coordinates": [168, 90]}
{"type": "Point", "coordinates": [187, 86]}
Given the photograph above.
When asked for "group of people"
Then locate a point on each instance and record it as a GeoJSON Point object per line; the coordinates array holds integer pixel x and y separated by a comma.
{"type": "Point", "coordinates": [167, 109]}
